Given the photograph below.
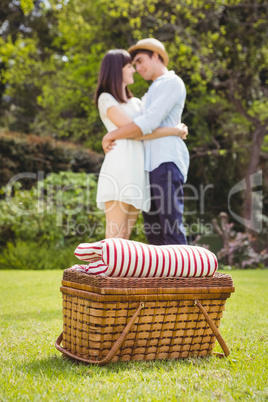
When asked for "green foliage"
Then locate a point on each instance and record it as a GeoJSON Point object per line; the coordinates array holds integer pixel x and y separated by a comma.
{"type": "Point", "coordinates": [31, 255]}
{"type": "Point", "coordinates": [32, 369]}
{"type": "Point", "coordinates": [32, 154]}
{"type": "Point", "coordinates": [49, 69]}
{"type": "Point", "coordinates": [58, 210]}
{"type": "Point", "coordinates": [25, 45]}
{"type": "Point", "coordinates": [67, 101]}
{"type": "Point", "coordinates": [21, 80]}
{"type": "Point", "coordinates": [206, 43]}
{"type": "Point", "coordinates": [27, 5]}
{"type": "Point", "coordinates": [41, 227]}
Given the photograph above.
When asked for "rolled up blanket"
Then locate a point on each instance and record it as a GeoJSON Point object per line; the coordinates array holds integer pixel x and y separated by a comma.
{"type": "Point", "coordinates": [126, 258]}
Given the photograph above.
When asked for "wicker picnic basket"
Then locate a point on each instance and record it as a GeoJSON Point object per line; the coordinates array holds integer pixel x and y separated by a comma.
{"type": "Point", "coordinates": [109, 319]}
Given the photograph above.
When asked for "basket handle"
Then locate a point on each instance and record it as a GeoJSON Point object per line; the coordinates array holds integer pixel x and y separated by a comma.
{"type": "Point", "coordinates": [115, 346]}
{"type": "Point", "coordinates": [214, 330]}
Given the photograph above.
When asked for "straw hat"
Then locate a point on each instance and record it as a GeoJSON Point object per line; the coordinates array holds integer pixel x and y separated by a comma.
{"type": "Point", "coordinates": [151, 44]}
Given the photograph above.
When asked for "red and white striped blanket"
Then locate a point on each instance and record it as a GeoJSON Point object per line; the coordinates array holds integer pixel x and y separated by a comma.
{"type": "Point", "coordinates": [126, 258]}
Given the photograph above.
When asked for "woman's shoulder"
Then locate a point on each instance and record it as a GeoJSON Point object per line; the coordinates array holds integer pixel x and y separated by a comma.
{"type": "Point", "coordinates": [135, 100]}
{"type": "Point", "coordinates": [107, 97]}
{"type": "Point", "coordinates": [105, 101]}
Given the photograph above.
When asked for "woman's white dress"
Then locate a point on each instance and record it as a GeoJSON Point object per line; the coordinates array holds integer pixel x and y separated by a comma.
{"type": "Point", "coordinates": [122, 176]}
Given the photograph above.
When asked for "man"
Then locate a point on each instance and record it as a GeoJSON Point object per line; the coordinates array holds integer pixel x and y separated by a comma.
{"type": "Point", "coordinates": [166, 158]}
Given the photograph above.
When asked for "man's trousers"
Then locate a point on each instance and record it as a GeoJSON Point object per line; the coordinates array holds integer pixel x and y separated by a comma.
{"type": "Point", "coordinates": [163, 223]}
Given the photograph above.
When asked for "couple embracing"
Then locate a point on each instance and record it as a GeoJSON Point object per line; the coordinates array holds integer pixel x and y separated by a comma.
{"type": "Point", "coordinates": [147, 160]}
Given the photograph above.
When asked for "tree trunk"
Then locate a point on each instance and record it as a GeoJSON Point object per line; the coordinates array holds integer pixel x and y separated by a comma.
{"type": "Point", "coordinates": [254, 161]}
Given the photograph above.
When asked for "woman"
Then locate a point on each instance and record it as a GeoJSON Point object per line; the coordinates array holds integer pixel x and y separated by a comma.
{"type": "Point", "coordinates": [123, 186]}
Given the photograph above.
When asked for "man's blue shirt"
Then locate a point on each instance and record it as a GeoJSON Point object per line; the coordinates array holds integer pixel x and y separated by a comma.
{"type": "Point", "coordinates": [163, 106]}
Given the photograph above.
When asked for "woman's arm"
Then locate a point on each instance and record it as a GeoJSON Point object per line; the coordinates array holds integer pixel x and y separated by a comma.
{"type": "Point", "coordinates": [118, 116]}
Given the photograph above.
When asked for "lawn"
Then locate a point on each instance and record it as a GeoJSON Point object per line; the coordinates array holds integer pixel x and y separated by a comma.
{"type": "Point", "coordinates": [33, 370]}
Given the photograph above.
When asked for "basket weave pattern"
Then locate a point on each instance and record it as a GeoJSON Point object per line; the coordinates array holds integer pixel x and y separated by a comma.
{"type": "Point", "coordinates": [169, 324]}
{"type": "Point", "coordinates": [218, 280]}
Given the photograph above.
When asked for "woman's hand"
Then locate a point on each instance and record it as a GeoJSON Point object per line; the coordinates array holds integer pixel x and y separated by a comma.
{"type": "Point", "coordinates": [107, 143]}
{"type": "Point", "coordinates": [182, 131]}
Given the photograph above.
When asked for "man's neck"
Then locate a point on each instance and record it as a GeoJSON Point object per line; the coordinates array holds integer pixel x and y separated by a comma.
{"type": "Point", "coordinates": [161, 71]}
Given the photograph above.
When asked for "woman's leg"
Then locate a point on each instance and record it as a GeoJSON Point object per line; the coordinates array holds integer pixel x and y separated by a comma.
{"type": "Point", "coordinates": [120, 219]}
{"type": "Point", "coordinates": [131, 219]}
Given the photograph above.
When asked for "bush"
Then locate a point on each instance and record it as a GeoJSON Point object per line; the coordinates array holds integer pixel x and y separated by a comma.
{"type": "Point", "coordinates": [30, 255]}
{"type": "Point", "coordinates": [30, 153]}
{"type": "Point", "coordinates": [240, 252]}
{"type": "Point", "coordinates": [56, 210]}
{"type": "Point", "coordinates": [41, 227]}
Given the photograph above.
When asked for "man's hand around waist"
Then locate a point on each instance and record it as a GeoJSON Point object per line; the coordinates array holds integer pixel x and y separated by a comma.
{"type": "Point", "coordinates": [107, 143]}
{"type": "Point", "coordinates": [183, 131]}
{"type": "Point", "coordinates": [129, 131]}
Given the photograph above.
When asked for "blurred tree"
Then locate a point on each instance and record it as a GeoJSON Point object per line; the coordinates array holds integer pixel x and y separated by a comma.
{"type": "Point", "coordinates": [221, 50]}
{"type": "Point", "coordinates": [86, 32]}
{"type": "Point", "coordinates": [27, 34]}
{"type": "Point", "coordinates": [217, 47]}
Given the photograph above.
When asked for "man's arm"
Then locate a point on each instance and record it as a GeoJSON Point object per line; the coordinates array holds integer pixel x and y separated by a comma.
{"type": "Point", "coordinates": [130, 130]}
{"type": "Point", "coordinates": [164, 97]}
{"type": "Point", "coordinates": [181, 130]}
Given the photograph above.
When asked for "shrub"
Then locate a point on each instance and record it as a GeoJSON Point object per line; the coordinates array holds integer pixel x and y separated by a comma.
{"type": "Point", "coordinates": [30, 255]}
{"type": "Point", "coordinates": [59, 208]}
{"type": "Point", "coordinates": [240, 252]}
{"type": "Point", "coordinates": [41, 227]}
{"type": "Point", "coordinates": [31, 153]}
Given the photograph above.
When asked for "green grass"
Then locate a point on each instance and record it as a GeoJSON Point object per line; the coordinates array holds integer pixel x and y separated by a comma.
{"type": "Point", "coordinates": [33, 370]}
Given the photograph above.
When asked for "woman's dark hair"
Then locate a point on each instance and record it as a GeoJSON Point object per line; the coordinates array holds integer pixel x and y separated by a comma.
{"type": "Point", "coordinates": [111, 77]}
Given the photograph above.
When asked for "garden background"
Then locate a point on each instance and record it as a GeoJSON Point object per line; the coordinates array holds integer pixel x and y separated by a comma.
{"type": "Point", "coordinates": [50, 53]}
{"type": "Point", "coordinates": [50, 156]}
